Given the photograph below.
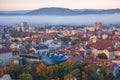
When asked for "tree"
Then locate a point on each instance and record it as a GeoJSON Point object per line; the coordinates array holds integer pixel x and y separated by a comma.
{"type": "Point", "coordinates": [14, 70]}
{"type": "Point", "coordinates": [1, 73]}
{"type": "Point", "coordinates": [91, 68]}
{"type": "Point", "coordinates": [69, 77]}
{"type": "Point", "coordinates": [14, 33]}
{"type": "Point", "coordinates": [52, 72]}
{"type": "Point", "coordinates": [67, 67]}
{"type": "Point", "coordinates": [5, 69]}
{"type": "Point", "coordinates": [102, 56]}
{"type": "Point", "coordinates": [41, 70]}
{"type": "Point", "coordinates": [77, 74]}
{"type": "Point", "coordinates": [101, 77]}
{"type": "Point", "coordinates": [84, 76]}
{"type": "Point", "coordinates": [62, 71]}
{"type": "Point", "coordinates": [27, 68]}
{"type": "Point", "coordinates": [26, 76]}
{"type": "Point", "coordinates": [110, 76]}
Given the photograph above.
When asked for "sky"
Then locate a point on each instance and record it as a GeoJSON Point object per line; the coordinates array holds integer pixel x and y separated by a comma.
{"type": "Point", "coordinates": [11, 5]}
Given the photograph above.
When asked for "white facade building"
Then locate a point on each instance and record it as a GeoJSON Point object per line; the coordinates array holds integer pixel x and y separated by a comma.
{"type": "Point", "coordinates": [6, 57]}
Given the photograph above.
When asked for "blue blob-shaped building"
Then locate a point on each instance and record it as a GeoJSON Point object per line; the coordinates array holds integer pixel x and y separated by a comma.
{"type": "Point", "coordinates": [51, 58]}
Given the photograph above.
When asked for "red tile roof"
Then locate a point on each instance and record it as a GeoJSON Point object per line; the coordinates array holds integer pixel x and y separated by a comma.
{"type": "Point", "coordinates": [116, 49]}
{"type": "Point", "coordinates": [75, 58]}
{"type": "Point", "coordinates": [80, 35]}
{"type": "Point", "coordinates": [15, 49]}
{"type": "Point", "coordinates": [116, 39]}
{"type": "Point", "coordinates": [104, 44]}
{"type": "Point", "coordinates": [69, 60]}
{"type": "Point", "coordinates": [5, 50]}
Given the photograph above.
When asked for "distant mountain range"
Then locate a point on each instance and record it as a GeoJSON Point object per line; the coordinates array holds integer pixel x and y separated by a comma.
{"type": "Point", "coordinates": [22, 12]}
{"type": "Point", "coordinates": [61, 11]}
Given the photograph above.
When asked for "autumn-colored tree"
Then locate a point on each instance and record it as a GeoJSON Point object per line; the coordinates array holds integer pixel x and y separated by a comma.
{"type": "Point", "coordinates": [1, 73]}
{"type": "Point", "coordinates": [104, 68]}
{"type": "Point", "coordinates": [5, 69]}
{"type": "Point", "coordinates": [41, 70]}
{"type": "Point", "coordinates": [62, 71]}
{"type": "Point", "coordinates": [86, 68]}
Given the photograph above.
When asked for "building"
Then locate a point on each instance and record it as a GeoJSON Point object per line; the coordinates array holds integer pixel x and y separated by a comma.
{"type": "Point", "coordinates": [0, 36]}
{"type": "Point", "coordinates": [22, 27]}
{"type": "Point", "coordinates": [104, 36]}
{"type": "Point", "coordinates": [42, 48]}
{"type": "Point", "coordinates": [103, 46]}
{"type": "Point", "coordinates": [24, 24]}
{"type": "Point", "coordinates": [14, 45]}
{"type": "Point", "coordinates": [98, 25]}
{"type": "Point", "coordinates": [7, 36]}
{"type": "Point", "coordinates": [31, 29]}
{"type": "Point", "coordinates": [90, 28]}
{"type": "Point", "coordinates": [6, 56]}
{"type": "Point", "coordinates": [93, 39]}
{"type": "Point", "coordinates": [1, 46]}
{"type": "Point", "coordinates": [117, 52]}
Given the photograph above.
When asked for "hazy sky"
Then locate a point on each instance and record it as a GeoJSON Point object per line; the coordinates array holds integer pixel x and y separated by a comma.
{"type": "Point", "coordinates": [73, 4]}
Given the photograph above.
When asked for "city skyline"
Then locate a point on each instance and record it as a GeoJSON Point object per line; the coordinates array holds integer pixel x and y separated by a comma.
{"type": "Point", "coordinates": [11, 5]}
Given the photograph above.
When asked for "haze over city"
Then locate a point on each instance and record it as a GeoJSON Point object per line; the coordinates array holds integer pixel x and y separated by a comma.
{"type": "Point", "coordinates": [11, 5]}
{"type": "Point", "coordinates": [59, 39]}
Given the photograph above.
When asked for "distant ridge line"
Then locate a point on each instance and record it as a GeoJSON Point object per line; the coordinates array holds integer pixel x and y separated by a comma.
{"type": "Point", "coordinates": [61, 11]}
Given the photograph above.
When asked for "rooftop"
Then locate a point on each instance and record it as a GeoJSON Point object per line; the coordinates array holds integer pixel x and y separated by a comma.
{"type": "Point", "coordinates": [5, 50]}
{"type": "Point", "coordinates": [103, 44]}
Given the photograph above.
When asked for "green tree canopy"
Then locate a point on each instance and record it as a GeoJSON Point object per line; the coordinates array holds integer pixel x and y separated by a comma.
{"type": "Point", "coordinates": [26, 76]}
